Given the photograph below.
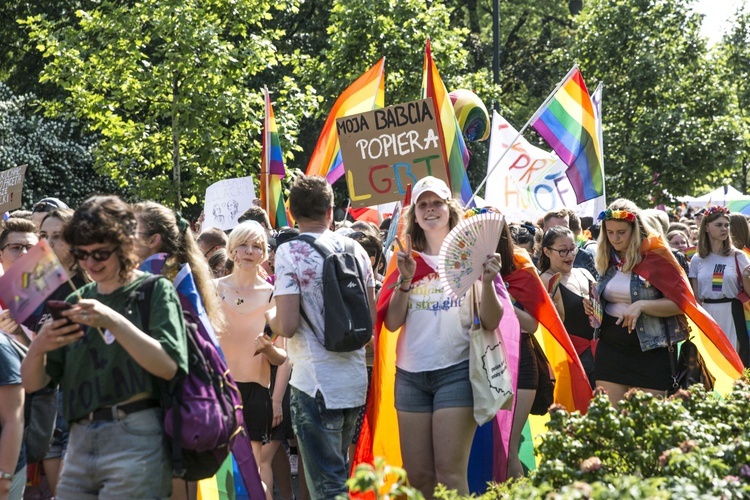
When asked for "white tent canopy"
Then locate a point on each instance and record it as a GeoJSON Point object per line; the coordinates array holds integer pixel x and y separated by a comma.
{"type": "Point", "coordinates": [719, 196]}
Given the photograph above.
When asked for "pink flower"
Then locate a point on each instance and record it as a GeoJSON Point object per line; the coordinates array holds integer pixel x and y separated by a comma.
{"type": "Point", "coordinates": [591, 464]}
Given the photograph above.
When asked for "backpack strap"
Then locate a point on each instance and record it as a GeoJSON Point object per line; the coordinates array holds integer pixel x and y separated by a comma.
{"type": "Point", "coordinates": [141, 297]}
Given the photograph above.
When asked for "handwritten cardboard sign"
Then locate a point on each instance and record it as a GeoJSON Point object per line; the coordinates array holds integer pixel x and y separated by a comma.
{"type": "Point", "coordinates": [226, 200]}
{"type": "Point", "coordinates": [11, 184]}
{"type": "Point", "coordinates": [386, 149]}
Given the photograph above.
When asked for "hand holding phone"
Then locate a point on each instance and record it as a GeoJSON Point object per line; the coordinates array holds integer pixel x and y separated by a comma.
{"type": "Point", "coordinates": [56, 308]}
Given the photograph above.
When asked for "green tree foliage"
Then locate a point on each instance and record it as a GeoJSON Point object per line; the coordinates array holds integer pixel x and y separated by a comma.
{"type": "Point", "coordinates": [58, 158]}
{"type": "Point", "coordinates": [172, 87]}
{"type": "Point", "coordinates": [734, 57]}
{"type": "Point", "coordinates": [667, 126]}
{"type": "Point", "coordinates": [359, 32]}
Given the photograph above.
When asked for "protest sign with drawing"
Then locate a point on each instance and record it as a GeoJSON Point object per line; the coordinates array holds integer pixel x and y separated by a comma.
{"type": "Point", "coordinates": [11, 184]}
{"type": "Point", "coordinates": [226, 200]}
{"type": "Point", "coordinates": [386, 149]}
{"type": "Point", "coordinates": [529, 181]}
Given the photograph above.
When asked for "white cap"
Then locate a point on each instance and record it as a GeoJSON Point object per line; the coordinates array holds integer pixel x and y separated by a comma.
{"type": "Point", "coordinates": [431, 184]}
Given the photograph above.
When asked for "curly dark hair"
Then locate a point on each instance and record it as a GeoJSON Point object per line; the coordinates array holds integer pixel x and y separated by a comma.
{"type": "Point", "coordinates": [105, 219]}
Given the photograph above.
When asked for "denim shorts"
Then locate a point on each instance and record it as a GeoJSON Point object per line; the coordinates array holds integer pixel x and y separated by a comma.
{"type": "Point", "coordinates": [427, 392]}
{"type": "Point", "coordinates": [121, 459]}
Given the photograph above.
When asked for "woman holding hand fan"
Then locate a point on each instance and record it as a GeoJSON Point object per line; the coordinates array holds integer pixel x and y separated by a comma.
{"type": "Point", "coordinates": [433, 394]}
{"type": "Point", "coordinates": [568, 286]}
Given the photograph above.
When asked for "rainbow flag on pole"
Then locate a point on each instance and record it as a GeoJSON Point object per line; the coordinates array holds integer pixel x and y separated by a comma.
{"type": "Point", "coordinates": [454, 147]}
{"type": "Point", "coordinates": [365, 94]}
{"type": "Point", "coordinates": [567, 121]}
{"type": "Point", "coordinates": [272, 170]}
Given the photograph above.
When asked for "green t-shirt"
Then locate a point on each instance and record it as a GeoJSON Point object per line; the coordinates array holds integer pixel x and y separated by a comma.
{"type": "Point", "coordinates": [95, 372]}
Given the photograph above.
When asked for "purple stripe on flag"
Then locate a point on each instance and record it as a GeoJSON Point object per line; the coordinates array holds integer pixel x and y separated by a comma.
{"type": "Point", "coordinates": [549, 136]}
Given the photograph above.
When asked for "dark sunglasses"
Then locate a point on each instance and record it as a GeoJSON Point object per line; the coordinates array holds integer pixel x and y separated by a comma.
{"type": "Point", "coordinates": [97, 255]}
{"type": "Point", "coordinates": [43, 206]}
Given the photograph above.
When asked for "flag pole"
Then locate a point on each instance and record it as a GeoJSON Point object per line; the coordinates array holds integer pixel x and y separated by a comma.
{"type": "Point", "coordinates": [78, 294]}
{"type": "Point", "coordinates": [520, 132]}
{"type": "Point", "coordinates": [266, 153]}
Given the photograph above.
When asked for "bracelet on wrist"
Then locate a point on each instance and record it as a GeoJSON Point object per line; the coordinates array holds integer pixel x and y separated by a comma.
{"type": "Point", "coordinates": [400, 281]}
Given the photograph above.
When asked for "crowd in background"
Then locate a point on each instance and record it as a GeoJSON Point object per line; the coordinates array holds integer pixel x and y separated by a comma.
{"type": "Point", "coordinates": [253, 283]}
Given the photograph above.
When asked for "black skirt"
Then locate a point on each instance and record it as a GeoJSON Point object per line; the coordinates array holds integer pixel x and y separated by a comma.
{"type": "Point", "coordinates": [620, 360]}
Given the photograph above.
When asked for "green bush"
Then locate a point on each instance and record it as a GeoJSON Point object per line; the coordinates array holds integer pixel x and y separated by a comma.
{"type": "Point", "coordinates": [691, 445]}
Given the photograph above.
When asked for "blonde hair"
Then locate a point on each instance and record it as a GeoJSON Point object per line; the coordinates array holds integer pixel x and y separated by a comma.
{"type": "Point", "coordinates": [704, 245]}
{"type": "Point", "coordinates": [633, 251]}
{"type": "Point", "coordinates": [418, 239]}
{"type": "Point", "coordinates": [248, 231]}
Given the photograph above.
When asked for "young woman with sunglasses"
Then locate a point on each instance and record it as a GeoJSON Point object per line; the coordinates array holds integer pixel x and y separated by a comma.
{"type": "Point", "coordinates": [109, 366]}
{"type": "Point", "coordinates": [558, 253]}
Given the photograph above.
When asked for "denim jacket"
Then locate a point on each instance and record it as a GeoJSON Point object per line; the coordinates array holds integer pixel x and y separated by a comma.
{"type": "Point", "coordinates": [651, 330]}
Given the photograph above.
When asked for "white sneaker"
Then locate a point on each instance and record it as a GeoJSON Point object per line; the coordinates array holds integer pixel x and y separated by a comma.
{"type": "Point", "coordinates": [294, 464]}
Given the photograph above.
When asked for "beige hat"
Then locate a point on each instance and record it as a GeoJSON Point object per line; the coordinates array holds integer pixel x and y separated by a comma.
{"type": "Point", "coordinates": [433, 185]}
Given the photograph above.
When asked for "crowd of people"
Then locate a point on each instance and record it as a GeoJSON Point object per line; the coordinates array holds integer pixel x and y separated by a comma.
{"type": "Point", "coordinates": [303, 404]}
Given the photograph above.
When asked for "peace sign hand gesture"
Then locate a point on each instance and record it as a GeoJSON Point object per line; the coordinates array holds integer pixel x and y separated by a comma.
{"type": "Point", "coordinates": [407, 266]}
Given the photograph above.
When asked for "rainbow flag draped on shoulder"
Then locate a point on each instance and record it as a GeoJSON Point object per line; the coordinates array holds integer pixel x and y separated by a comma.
{"type": "Point", "coordinates": [272, 170]}
{"type": "Point", "coordinates": [572, 388]}
{"type": "Point", "coordinates": [365, 94]}
{"type": "Point", "coordinates": [454, 147]}
{"type": "Point", "coordinates": [568, 122]}
{"type": "Point", "coordinates": [661, 268]}
{"type": "Point", "coordinates": [380, 435]}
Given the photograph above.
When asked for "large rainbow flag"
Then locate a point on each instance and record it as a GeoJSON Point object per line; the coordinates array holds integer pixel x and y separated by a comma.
{"type": "Point", "coordinates": [661, 268]}
{"type": "Point", "coordinates": [454, 147]}
{"type": "Point", "coordinates": [272, 170]}
{"type": "Point", "coordinates": [567, 121]}
{"type": "Point", "coordinates": [365, 94]}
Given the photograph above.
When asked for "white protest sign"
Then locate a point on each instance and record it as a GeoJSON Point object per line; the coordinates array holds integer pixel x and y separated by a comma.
{"type": "Point", "coordinates": [226, 200]}
{"type": "Point", "coordinates": [11, 184]}
{"type": "Point", "coordinates": [529, 181]}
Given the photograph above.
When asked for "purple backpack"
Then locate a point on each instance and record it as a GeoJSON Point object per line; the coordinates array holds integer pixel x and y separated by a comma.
{"type": "Point", "coordinates": [204, 407]}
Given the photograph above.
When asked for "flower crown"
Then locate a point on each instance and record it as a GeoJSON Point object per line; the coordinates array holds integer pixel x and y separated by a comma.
{"type": "Point", "coordinates": [717, 209]}
{"type": "Point", "coordinates": [610, 214]}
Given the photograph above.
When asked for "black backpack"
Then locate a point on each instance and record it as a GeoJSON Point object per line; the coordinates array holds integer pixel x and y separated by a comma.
{"type": "Point", "coordinates": [346, 308]}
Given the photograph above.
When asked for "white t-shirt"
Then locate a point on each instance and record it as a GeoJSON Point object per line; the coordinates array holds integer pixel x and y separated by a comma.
{"type": "Point", "coordinates": [341, 377]}
{"type": "Point", "coordinates": [617, 294]}
{"type": "Point", "coordinates": [436, 332]}
{"type": "Point", "coordinates": [717, 275]}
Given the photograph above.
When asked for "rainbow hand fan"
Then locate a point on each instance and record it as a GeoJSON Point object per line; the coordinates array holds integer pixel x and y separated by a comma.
{"type": "Point", "coordinates": [465, 249]}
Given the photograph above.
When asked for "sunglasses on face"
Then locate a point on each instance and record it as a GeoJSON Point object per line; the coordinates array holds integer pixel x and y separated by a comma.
{"type": "Point", "coordinates": [97, 255]}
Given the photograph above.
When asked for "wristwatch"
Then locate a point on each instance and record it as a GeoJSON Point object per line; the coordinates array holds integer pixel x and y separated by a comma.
{"type": "Point", "coordinates": [5, 475]}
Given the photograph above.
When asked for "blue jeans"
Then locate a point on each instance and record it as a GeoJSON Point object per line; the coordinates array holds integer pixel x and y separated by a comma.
{"type": "Point", "coordinates": [121, 459]}
{"type": "Point", "coordinates": [323, 437]}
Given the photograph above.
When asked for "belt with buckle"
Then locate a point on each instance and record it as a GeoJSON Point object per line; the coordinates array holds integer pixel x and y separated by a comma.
{"type": "Point", "coordinates": [118, 412]}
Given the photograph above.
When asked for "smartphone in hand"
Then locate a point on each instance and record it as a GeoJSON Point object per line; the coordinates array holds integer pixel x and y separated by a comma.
{"type": "Point", "coordinates": [56, 307]}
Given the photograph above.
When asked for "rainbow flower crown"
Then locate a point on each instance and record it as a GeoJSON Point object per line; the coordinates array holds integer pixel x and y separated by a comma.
{"type": "Point", "coordinates": [610, 214]}
{"type": "Point", "coordinates": [717, 209]}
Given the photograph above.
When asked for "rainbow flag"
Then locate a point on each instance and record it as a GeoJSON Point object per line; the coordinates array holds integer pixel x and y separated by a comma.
{"type": "Point", "coordinates": [690, 251]}
{"type": "Point", "coordinates": [662, 270]}
{"type": "Point", "coordinates": [365, 94]}
{"type": "Point", "coordinates": [567, 121]}
{"type": "Point", "coordinates": [454, 147]}
{"type": "Point", "coordinates": [272, 170]}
